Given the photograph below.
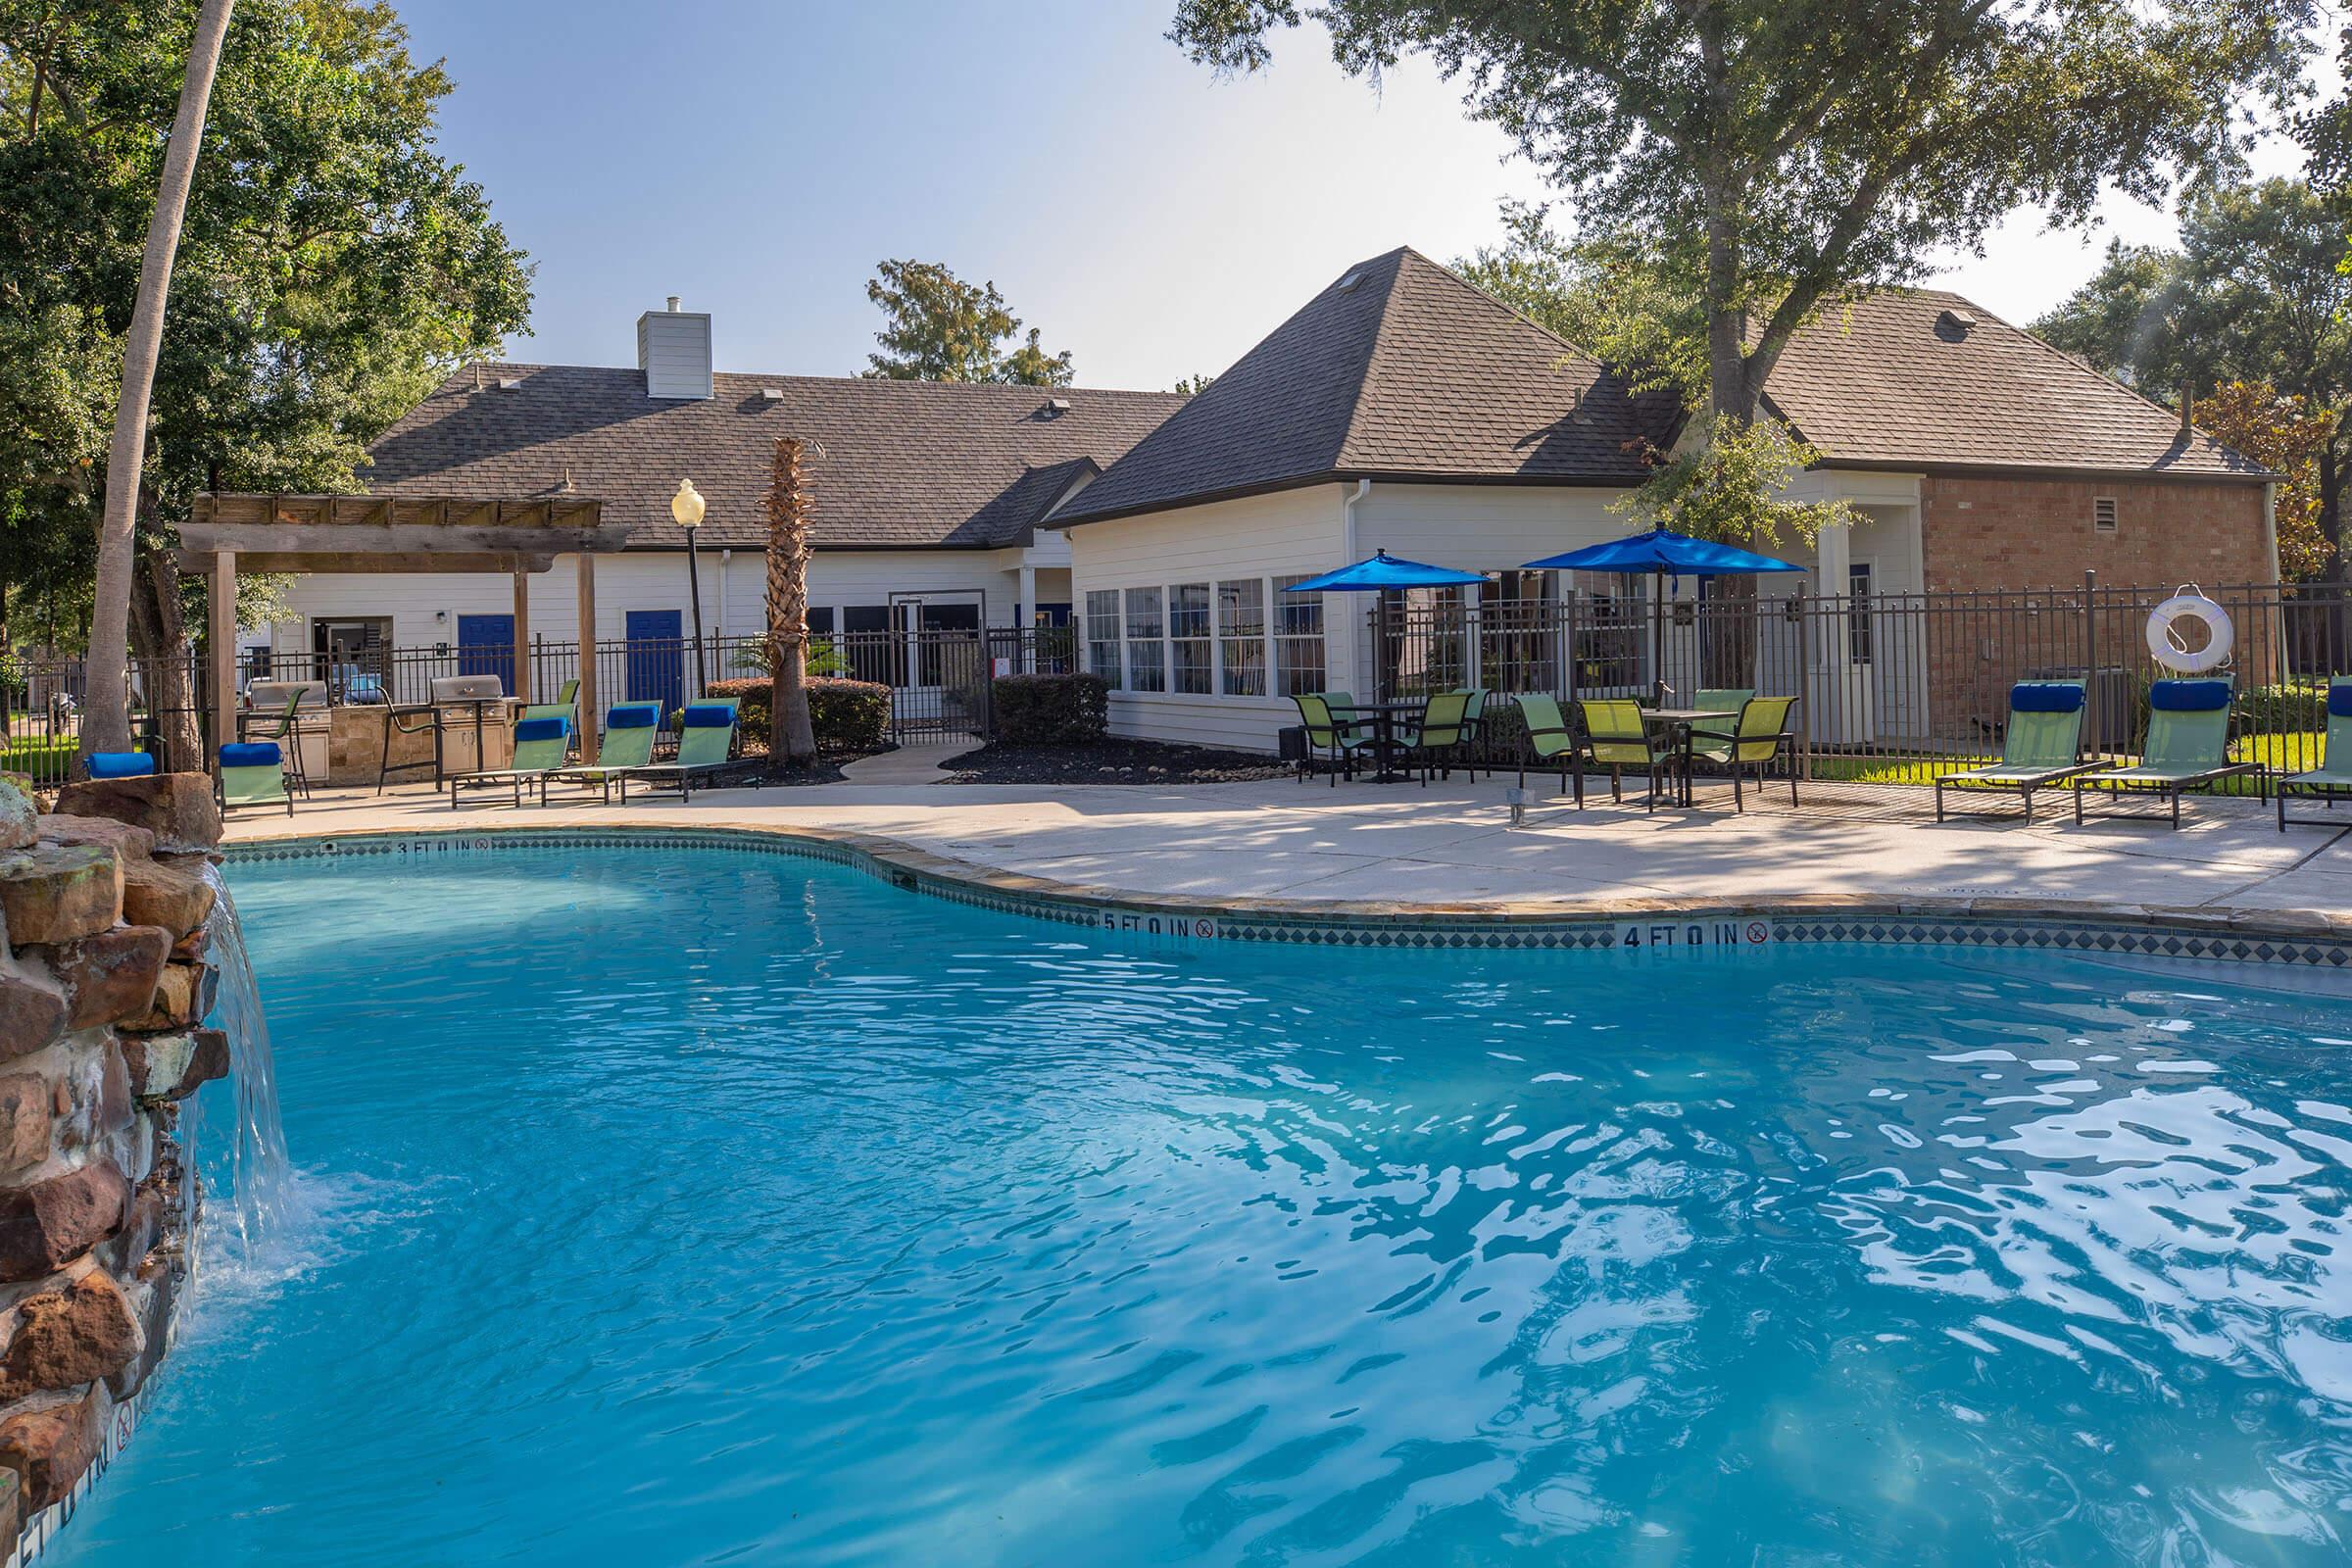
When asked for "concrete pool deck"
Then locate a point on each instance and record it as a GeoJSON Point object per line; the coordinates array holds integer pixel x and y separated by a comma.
{"type": "Point", "coordinates": [1388, 851]}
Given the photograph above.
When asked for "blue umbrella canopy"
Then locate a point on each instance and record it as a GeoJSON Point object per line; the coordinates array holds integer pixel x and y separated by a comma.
{"type": "Point", "coordinates": [1664, 554]}
{"type": "Point", "coordinates": [1382, 571]}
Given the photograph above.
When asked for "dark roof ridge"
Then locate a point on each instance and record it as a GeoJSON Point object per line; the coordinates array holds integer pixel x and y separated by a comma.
{"type": "Point", "coordinates": [779, 378]}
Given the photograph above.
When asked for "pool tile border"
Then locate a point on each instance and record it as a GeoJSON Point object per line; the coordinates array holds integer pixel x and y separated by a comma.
{"type": "Point", "coordinates": [2320, 942]}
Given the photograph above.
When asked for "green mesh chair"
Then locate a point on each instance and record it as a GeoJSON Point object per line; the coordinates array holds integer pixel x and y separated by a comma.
{"type": "Point", "coordinates": [1616, 738]}
{"type": "Point", "coordinates": [2333, 776]}
{"type": "Point", "coordinates": [628, 743]}
{"type": "Point", "coordinates": [2041, 745]}
{"type": "Point", "coordinates": [1337, 741]}
{"type": "Point", "coordinates": [253, 773]}
{"type": "Point", "coordinates": [1474, 729]}
{"type": "Point", "coordinates": [1760, 738]}
{"type": "Point", "coordinates": [1433, 742]}
{"type": "Point", "coordinates": [542, 745]}
{"type": "Point", "coordinates": [1548, 739]}
{"type": "Point", "coordinates": [1342, 704]}
{"type": "Point", "coordinates": [705, 744]}
{"type": "Point", "coordinates": [1727, 700]}
{"type": "Point", "coordinates": [2188, 748]}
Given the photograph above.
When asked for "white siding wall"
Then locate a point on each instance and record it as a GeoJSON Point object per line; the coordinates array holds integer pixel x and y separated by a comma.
{"type": "Point", "coordinates": [1284, 534]}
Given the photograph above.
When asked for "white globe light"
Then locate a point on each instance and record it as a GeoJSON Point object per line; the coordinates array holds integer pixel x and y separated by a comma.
{"type": "Point", "coordinates": [686, 506]}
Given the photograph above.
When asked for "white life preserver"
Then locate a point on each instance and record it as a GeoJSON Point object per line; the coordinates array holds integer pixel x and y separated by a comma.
{"type": "Point", "coordinates": [2167, 651]}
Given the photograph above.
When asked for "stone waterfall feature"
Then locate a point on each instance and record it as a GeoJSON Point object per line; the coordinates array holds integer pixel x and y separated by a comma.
{"type": "Point", "coordinates": [105, 980]}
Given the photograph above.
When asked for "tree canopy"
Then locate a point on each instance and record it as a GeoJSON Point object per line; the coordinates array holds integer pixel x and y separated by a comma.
{"type": "Point", "coordinates": [941, 328]}
{"type": "Point", "coordinates": [1773, 154]}
{"type": "Point", "coordinates": [332, 266]}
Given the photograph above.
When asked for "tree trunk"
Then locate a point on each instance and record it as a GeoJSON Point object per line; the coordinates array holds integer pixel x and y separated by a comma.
{"type": "Point", "coordinates": [2332, 529]}
{"type": "Point", "coordinates": [789, 732]}
{"type": "Point", "coordinates": [106, 717]}
{"type": "Point", "coordinates": [160, 632]}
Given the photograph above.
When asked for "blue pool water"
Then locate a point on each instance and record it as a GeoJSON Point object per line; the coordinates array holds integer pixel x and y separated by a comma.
{"type": "Point", "coordinates": [711, 1206]}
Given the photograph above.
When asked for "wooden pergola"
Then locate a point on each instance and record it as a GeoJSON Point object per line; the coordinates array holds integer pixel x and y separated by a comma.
{"type": "Point", "coordinates": [315, 533]}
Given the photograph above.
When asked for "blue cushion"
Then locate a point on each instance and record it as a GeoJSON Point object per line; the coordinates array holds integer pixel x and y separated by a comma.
{"type": "Point", "coordinates": [552, 727]}
{"type": "Point", "coordinates": [636, 716]}
{"type": "Point", "coordinates": [2339, 700]}
{"type": "Point", "coordinates": [120, 765]}
{"type": "Point", "coordinates": [709, 716]}
{"type": "Point", "coordinates": [251, 753]}
{"type": "Point", "coordinates": [2188, 696]}
{"type": "Point", "coordinates": [2046, 697]}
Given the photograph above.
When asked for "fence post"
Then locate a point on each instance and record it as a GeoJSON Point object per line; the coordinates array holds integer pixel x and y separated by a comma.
{"type": "Point", "coordinates": [2090, 655]}
{"type": "Point", "coordinates": [1805, 656]}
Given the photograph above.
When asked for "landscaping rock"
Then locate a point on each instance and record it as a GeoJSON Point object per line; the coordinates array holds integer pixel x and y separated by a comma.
{"type": "Point", "coordinates": [183, 994]}
{"type": "Point", "coordinates": [49, 1224]}
{"type": "Point", "coordinates": [60, 892]}
{"type": "Point", "coordinates": [129, 841]}
{"type": "Point", "coordinates": [151, 1295]}
{"type": "Point", "coordinates": [176, 808]}
{"type": "Point", "coordinates": [23, 1121]}
{"type": "Point", "coordinates": [169, 891]}
{"type": "Point", "coordinates": [172, 1066]}
{"type": "Point", "coordinates": [109, 976]}
{"type": "Point", "coordinates": [32, 1011]}
{"type": "Point", "coordinates": [50, 1447]}
{"type": "Point", "coordinates": [68, 1337]}
{"type": "Point", "coordinates": [122, 1253]}
{"type": "Point", "coordinates": [17, 823]}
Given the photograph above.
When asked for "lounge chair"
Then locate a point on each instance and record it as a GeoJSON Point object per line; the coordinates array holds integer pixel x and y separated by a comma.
{"type": "Point", "coordinates": [541, 746]}
{"type": "Point", "coordinates": [706, 737]}
{"type": "Point", "coordinates": [1436, 740]}
{"type": "Point", "coordinates": [1549, 737]}
{"type": "Point", "coordinates": [1617, 737]}
{"type": "Point", "coordinates": [2041, 747]}
{"type": "Point", "coordinates": [2325, 783]}
{"type": "Point", "coordinates": [628, 743]}
{"type": "Point", "coordinates": [1760, 738]}
{"type": "Point", "coordinates": [253, 773]}
{"type": "Point", "coordinates": [1336, 739]}
{"type": "Point", "coordinates": [2188, 748]}
{"type": "Point", "coordinates": [565, 708]}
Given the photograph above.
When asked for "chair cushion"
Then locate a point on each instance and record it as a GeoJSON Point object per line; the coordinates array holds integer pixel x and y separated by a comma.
{"type": "Point", "coordinates": [709, 716]}
{"type": "Point", "coordinates": [2188, 696]}
{"type": "Point", "coordinates": [2339, 699]}
{"type": "Point", "coordinates": [541, 729]}
{"type": "Point", "coordinates": [251, 753]}
{"type": "Point", "coordinates": [636, 716]}
{"type": "Point", "coordinates": [120, 765]}
{"type": "Point", "coordinates": [2046, 697]}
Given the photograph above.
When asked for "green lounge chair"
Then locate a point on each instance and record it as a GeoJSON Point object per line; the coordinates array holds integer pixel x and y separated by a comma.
{"type": "Point", "coordinates": [253, 773]}
{"type": "Point", "coordinates": [2188, 748]}
{"type": "Point", "coordinates": [542, 746]}
{"type": "Point", "coordinates": [2041, 747]}
{"type": "Point", "coordinates": [1549, 737]}
{"type": "Point", "coordinates": [2333, 776]}
{"type": "Point", "coordinates": [1436, 739]}
{"type": "Point", "coordinates": [283, 726]}
{"type": "Point", "coordinates": [1761, 737]}
{"type": "Point", "coordinates": [706, 737]}
{"type": "Point", "coordinates": [1617, 737]}
{"type": "Point", "coordinates": [1728, 700]}
{"type": "Point", "coordinates": [1335, 738]}
{"type": "Point", "coordinates": [628, 743]}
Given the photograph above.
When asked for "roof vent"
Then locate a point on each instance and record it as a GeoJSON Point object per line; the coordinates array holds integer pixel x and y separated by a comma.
{"type": "Point", "coordinates": [1347, 284]}
{"type": "Point", "coordinates": [772, 393]}
{"type": "Point", "coordinates": [1953, 325]}
{"type": "Point", "coordinates": [510, 383]}
{"type": "Point", "coordinates": [673, 350]}
{"type": "Point", "coordinates": [1055, 407]}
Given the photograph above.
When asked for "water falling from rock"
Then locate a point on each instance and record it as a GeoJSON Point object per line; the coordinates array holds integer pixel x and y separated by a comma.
{"type": "Point", "coordinates": [260, 1176]}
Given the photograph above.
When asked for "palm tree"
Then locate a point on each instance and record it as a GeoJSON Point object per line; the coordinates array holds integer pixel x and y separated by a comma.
{"type": "Point", "coordinates": [105, 719]}
{"type": "Point", "coordinates": [790, 734]}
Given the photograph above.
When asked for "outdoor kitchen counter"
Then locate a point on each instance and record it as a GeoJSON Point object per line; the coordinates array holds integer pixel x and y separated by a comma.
{"type": "Point", "coordinates": [355, 742]}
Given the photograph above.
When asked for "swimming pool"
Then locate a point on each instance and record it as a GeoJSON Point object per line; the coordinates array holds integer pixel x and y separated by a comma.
{"type": "Point", "coordinates": [709, 1206]}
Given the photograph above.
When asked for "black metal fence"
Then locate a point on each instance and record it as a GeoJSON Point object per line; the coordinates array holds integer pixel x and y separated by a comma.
{"type": "Point", "coordinates": [1890, 686]}
{"type": "Point", "coordinates": [42, 699]}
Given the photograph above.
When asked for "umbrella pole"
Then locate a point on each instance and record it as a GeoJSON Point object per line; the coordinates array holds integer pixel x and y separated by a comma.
{"type": "Point", "coordinates": [1657, 640]}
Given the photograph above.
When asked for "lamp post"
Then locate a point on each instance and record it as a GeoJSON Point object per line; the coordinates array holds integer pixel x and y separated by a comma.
{"type": "Point", "coordinates": [686, 510]}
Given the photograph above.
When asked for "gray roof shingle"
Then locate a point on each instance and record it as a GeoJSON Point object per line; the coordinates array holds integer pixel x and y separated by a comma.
{"type": "Point", "coordinates": [907, 464]}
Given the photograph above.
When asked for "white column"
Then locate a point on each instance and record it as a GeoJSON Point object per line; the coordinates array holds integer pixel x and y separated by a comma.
{"type": "Point", "coordinates": [1025, 614]}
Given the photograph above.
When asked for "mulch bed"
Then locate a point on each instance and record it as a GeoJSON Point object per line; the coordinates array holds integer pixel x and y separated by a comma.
{"type": "Point", "coordinates": [753, 767]}
{"type": "Point", "coordinates": [1112, 761]}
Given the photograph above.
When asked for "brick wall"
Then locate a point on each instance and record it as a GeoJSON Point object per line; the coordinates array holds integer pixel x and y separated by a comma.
{"type": "Point", "coordinates": [1985, 533]}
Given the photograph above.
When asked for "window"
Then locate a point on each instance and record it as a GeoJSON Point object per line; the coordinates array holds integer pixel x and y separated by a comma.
{"type": "Point", "coordinates": [1857, 611]}
{"type": "Point", "coordinates": [1241, 635]}
{"type": "Point", "coordinates": [869, 650]}
{"type": "Point", "coordinates": [1297, 638]}
{"type": "Point", "coordinates": [1102, 634]}
{"type": "Point", "coordinates": [2102, 514]}
{"type": "Point", "coordinates": [1146, 658]}
{"type": "Point", "coordinates": [1188, 638]}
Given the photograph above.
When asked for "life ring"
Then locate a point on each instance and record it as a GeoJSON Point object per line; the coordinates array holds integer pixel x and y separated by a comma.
{"type": "Point", "coordinates": [2167, 649]}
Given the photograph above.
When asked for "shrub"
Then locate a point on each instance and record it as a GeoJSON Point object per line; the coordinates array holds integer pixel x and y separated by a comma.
{"type": "Point", "coordinates": [846, 716]}
{"type": "Point", "coordinates": [1052, 709]}
{"type": "Point", "coordinates": [2263, 708]}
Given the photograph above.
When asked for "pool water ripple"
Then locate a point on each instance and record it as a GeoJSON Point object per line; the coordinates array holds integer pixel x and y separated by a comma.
{"type": "Point", "coordinates": [709, 1206]}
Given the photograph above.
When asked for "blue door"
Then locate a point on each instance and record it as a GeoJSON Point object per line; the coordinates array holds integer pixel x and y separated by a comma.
{"type": "Point", "coordinates": [653, 663]}
{"type": "Point", "coordinates": [486, 646]}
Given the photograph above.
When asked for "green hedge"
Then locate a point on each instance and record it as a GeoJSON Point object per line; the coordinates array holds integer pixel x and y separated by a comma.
{"type": "Point", "coordinates": [847, 716]}
{"type": "Point", "coordinates": [1052, 709]}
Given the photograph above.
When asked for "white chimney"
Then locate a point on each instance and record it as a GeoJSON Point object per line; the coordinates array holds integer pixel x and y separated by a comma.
{"type": "Point", "coordinates": [673, 350]}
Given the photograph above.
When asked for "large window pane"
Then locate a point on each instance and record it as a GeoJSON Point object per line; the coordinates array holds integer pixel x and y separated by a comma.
{"type": "Point", "coordinates": [1147, 657]}
{"type": "Point", "coordinates": [1241, 635]}
{"type": "Point", "coordinates": [1188, 637]}
{"type": "Point", "coordinates": [1102, 634]}
{"type": "Point", "coordinates": [1299, 639]}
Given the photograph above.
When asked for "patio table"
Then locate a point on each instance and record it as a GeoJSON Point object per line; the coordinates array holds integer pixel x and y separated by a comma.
{"type": "Point", "coordinates": [1678, 723]}
{"type": "Point", "coordinates": [1383, 717]}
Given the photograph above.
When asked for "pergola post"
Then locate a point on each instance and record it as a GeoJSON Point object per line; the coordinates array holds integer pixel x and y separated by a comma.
{"type": "Point", "coordinates": [589, 712]}
{"type": "Point", "coordinates": [220, 633]}
{"type": "Point", "coordinates": [522, 630]}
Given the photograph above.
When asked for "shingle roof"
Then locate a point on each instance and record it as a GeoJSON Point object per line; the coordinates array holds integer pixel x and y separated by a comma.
{"type": "Point", "coordinates": [1399, 370]}
{"type": "Point", "coordinates": [1891, 380]}
{"type": "Point", "coordinates": [905, 464]}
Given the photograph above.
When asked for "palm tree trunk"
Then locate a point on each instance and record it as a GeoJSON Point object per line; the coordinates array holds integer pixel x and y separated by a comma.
{"type": "Point", "coordinates": [106, 717]}
{"type": "Point", "coordinates": [789, 732]}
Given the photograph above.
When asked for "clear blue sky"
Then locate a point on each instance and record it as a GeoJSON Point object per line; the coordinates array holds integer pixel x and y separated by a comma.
{"type": "Point", "coordinates": [759, 158]}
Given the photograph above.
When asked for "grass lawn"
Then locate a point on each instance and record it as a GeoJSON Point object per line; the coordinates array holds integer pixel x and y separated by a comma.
{"type": "Point", "coordinates": [44, 757]}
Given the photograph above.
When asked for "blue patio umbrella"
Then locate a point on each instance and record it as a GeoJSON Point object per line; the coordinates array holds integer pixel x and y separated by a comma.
{"type": "Point", "coordinates": [1662, 553]}
{"type": "Point", "coordinates": [1382, 572]}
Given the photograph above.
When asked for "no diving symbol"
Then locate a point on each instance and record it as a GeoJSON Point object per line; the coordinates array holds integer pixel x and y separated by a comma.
{"type": "Point", "coordinates": [1756, 931]}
